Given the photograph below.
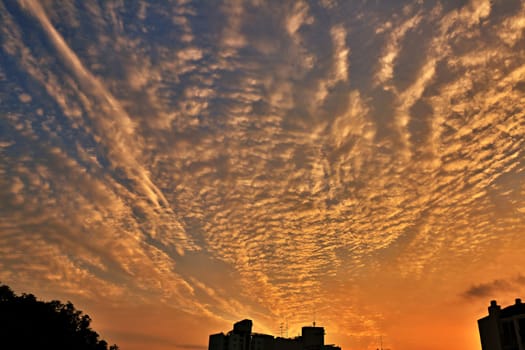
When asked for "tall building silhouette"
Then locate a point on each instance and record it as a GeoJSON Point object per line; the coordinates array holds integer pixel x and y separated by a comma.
{"type": "Point", "coordinates": [242, 338]}
{"type": "Point", "coordinates": [503, 329]}
{"type": "Point", "coordinates": [237, 339]}
{"type": "Point", "coordinates": [312, 338]}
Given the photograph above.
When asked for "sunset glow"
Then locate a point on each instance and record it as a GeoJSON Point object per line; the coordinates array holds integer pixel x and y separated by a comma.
{"type": "Point", "coordinates": [172, 167]}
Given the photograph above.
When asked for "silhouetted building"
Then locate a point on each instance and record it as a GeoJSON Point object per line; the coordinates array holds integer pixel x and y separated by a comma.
{"type": "Point", "coordinates": [287, 344]}
{"type": "Point", "coordinates": [218, 342]}
{"type": "Point", "coordinates": [503, 329]}
{"type": "Point", "coordinates": [242, 338]}
{"type": "Point", "coordinates": [331, 347]}
{"type": "Point", "coordinates": [237, 339]}
{"type": "Point", "coordinates": [262, 342]}
{"type": "Point", "coordinates": [313, 338]}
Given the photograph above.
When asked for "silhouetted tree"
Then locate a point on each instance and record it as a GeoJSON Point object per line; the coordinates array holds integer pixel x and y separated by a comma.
{"type": "Point", "coordinates": [27, 323]}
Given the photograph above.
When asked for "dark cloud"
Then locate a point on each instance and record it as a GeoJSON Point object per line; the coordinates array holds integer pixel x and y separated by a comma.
{"type": "Point", "coordinates": [494, 288]}
{"type": "Point", "coordinates": [520, 279]}
{"type": "Point", "coordinates": [485, 290]}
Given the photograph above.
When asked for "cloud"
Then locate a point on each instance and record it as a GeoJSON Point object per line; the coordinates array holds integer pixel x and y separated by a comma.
{"type": "Point", "coordinates": [393, 47]}
{"type": "Point", "coordinates": [485, 290]}
{"type": "Point", "coordinates": [298, 17]}
{"type": "Point", "coordinates": [494, 288]}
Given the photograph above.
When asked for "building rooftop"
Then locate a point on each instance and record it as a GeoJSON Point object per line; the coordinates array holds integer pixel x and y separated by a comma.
{"type": "Point", "coordinates": [513, 310]}
{"type": "Point", "coordinates": [517, 309]}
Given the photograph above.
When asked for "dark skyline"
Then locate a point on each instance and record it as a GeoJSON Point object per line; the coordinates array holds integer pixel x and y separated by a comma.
{"type": "Point", "coordinates": [241, 337]}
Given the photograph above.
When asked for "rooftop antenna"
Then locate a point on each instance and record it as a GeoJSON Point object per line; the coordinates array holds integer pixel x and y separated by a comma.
{"type": "Point", "coordinates": [287, 328]}
{"type": "Point", "coordinates": [381, 343]}
{"type": "Point", "coordinates": [281, 329]}
{"type": "Point", "coordinates": [314, 318]}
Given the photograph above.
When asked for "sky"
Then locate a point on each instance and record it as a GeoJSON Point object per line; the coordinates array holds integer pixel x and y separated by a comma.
{"type": "Point", "coordinates": [172, 167]}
